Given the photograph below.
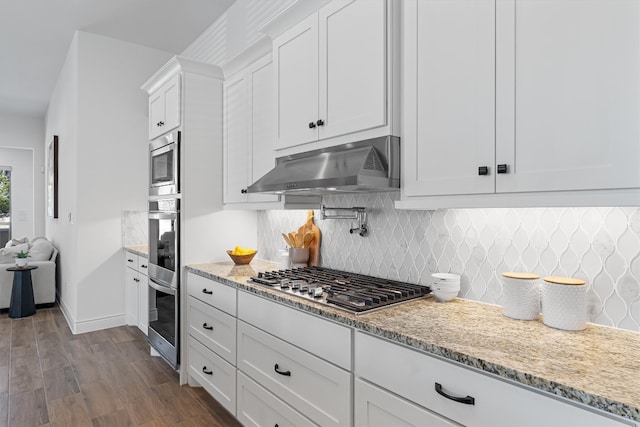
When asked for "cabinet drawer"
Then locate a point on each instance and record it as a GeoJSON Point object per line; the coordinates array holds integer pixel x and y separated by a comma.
{"type": "Point", "coordinates": [214, 374]}
{"type": "Point", "coordinates": [257, 407]}
{"type": "Point", "coordinates": [220, 296]}
{"type": "Point", "coordinates": [374, 407]}
{"type": "Point", "coordinates": [316, 388]}
{"type": "Point", "coordinates": [131, 260]}
{"type": "Point", "coordinates": [143, 265]}
{"type": "Point", "coordinates": [213, 328]}
{"type": "Point", "coordinates": [318, 336]}
{"type": "Point", "coordinates": [496, 402]}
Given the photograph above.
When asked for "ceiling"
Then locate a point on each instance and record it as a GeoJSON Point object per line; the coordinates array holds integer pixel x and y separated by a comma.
{"type": "Point", "coordinates": [35, 36]}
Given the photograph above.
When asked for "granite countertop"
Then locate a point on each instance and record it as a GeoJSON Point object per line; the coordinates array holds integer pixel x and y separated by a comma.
{"type": "Point", "coordinates": [598, 366]}
{"type": "Point", "coordinates": [142, 250]}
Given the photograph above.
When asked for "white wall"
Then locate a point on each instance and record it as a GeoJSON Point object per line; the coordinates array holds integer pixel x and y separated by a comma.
{"type": "Point", "coordinates": [21, 147]}
{"type": "Point", "coordinates": [100, 115]}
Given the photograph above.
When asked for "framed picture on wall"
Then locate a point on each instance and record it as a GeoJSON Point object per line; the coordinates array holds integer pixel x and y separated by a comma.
{"type": "Point", "coordinates": [52, 178]}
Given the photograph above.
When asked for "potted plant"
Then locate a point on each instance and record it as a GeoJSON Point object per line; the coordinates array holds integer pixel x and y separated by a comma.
{"type": "Point", "coordinates": [21, 259]}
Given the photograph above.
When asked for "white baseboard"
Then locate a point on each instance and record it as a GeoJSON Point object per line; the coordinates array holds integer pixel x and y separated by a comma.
{"type": "Point", "coordinates": [93, 324]}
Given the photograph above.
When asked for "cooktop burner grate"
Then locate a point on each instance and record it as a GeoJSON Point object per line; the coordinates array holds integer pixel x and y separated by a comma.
{"type": "Point", "coordinates": [353, 292]}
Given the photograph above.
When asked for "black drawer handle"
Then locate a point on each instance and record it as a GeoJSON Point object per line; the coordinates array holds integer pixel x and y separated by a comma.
{"type": "Point", "coordinates": [143, 266]}
{"type": "Point", "coordinates": [466, 400]}
{"type": "Point", "coordinates": [483, 170]}
{"type": "Point", "coordinates": [129, 260]}
{"type": "Point", "coordinates": [285, 373]}
{"type": "Point", "coordinates": [205, 291]}
{"type": "Point", "coordinates": [503, 168]}
{"type": "Point", "coordinates": [207, 327]}
{"type": "Point", "coordinates": [204, 369]}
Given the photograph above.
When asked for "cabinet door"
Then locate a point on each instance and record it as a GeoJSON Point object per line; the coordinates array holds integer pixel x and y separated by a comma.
{"type": "Point", "coordinates": [143, 303]}
{"type": "Point", "coordinates": [569, 74]}
{"type": "Point", "coordinates": [131, 286]}
{"type": "Point", "coordinates": [374, 407]}
{"type": "Point", "coordinates": [449, 97]}
{"type": "Point", "coordinates": [236, 126]}
{"type": "Point", "coordinates": [295, 56]}
{"type": "Point", "coordinates": [172, 104]}
{"type": "Point", "coordinates": [262, 137]}
{"type": "Point", "coordinates": [164, 108]}
{"type": "Point", "coordinates": [353, 71]}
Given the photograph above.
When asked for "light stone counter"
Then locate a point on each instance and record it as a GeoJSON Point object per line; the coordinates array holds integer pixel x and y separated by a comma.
{"type": "Point", "coordinates": [598, 366]}
{"type": "Point", "coordinates": [142, 250]}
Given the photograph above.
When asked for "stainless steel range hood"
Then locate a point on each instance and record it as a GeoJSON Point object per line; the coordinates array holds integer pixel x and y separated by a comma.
{"type": "Point", "coordinates": [372, 165]}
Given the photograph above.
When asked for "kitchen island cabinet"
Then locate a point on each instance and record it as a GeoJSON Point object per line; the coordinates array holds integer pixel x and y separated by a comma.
{"type": "Point", "coordinates": [521, 103]}
{"type": "Point", "coordinates": [336, 75]}
{"type": "Point", "coordinates": [593, 371]}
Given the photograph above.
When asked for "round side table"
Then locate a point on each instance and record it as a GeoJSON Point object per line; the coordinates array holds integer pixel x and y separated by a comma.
{"type": "Point", "coordinates": [22, 303]}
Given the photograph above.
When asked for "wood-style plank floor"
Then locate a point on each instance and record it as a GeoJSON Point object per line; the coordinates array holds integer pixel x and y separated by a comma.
{"type": "Point", "coordinates": [50, 377]}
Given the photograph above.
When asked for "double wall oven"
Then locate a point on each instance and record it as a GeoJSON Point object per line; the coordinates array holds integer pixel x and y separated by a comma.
{"type": "Point", "coordinates": [164, 246]}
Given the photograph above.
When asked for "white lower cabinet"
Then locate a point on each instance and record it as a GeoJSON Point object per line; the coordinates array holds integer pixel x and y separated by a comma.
{"type": "Point", "coordinates": [257, 407]}
{"type": "Point", "coordinates": [212, 327]}
{"type": "Point", "coordinates": [318, 389]}
{"type": "Point", "coordinates": [374, 407]}
{"type": "Point", "coordinates": [137, 291]}
{"type": "Point", "coordinates": [213, 373]}
{"type": "Point", "coordinates": [462, 394]}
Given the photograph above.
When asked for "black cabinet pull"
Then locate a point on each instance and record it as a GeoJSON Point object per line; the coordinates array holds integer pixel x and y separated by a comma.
{"type": "Point", "coordinates": [205, 291]}
{"type": "Point", "coordinates": [204, 369]}
{"type": "Point", "coordinates": [207, 327]}
{"type": "Point", "coordinates": [320, 122]}
{"type": "Point", "coordinates": [243, 191]}
{"type": "Point", "coordinates": [502, 168]}
{"type": "Point", "coordinates": [143, 266]}
{"type": "Point", "coordinates": [285, 373]}
{"type": "Point", "coordinates": [466, 400]}
{"type": "Point", "coordinates": [129, 260]}
{"type": "Point", "coordinates": [483, 170]}
{"type": "Point", "coordinates": [311, 125]}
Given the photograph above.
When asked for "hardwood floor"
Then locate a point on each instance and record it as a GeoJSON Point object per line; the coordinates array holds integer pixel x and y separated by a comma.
{"type": "Point", "coordinates": [50, 377]}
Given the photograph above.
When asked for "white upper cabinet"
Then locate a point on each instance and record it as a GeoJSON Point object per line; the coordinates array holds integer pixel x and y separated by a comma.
{"type": "Point", "coordinates": [164, 108]}
{"type": "Point", "coordinates": [333, 74]}
{"type": "Point", "coordinates": [248, 132]}
{"type": "Point", "coordinates": [521, 103]}
{"type": "Point", "coordinates": [295, 54]}
{"type": "Point", "coordinates": [568, 95]}
{"type": "Point", "coordinates": [449, 97]}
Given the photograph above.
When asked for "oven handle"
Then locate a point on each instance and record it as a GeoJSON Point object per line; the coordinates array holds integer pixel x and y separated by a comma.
{"type": "Point", "coordinates": [161, 288]}
{"type": "Point", "coordinates": [162, 215]}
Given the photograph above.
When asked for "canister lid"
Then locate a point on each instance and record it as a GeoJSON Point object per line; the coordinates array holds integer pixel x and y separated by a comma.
{"type": "Point", "coordinates": [523, 276]}
{"type": "Point", "coordinates": [564, 280]}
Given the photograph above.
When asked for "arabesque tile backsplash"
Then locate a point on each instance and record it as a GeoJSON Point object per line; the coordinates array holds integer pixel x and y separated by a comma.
{"type": "Point", "coordinates": [601, 245]}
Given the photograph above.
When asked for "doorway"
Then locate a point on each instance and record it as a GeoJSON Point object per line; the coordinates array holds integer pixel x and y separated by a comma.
{"type": "Point", "coordinates": [5, 205]}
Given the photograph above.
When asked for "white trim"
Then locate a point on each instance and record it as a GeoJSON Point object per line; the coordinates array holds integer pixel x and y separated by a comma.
{"type": "Point", "coordinates": [291, 16]}
{"type": "Point", "coordinates": [251, 54]}
{"type": "Point", "coordinates": [90, 325]}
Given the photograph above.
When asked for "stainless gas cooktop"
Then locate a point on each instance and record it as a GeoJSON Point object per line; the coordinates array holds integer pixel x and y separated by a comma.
{"type": "Point", "coordinates": [353, 292]}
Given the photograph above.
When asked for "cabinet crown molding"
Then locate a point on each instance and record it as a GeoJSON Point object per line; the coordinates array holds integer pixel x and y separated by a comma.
{"type": "Point", "coordinates": [292, 15]}
{"type": "Point", "coordinates": [180, 64]}
{"type": "Point", "coordinates": [248, 56]}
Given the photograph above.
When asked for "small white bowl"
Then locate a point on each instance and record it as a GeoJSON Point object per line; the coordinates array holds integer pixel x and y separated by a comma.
{"type": "Point", "coordinates": [447, 286]}
{"type": "Point", "coordinates": [446, 277]}
{"type": "Point", "coordinates": [444, 296]}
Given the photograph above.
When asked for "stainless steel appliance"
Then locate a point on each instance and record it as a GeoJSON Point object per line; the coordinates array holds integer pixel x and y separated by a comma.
{"type": "Point", "coordinates": [355, 293]}
{"type": "Point", "coordinates": [372, 165]}
{"type": "Point", "coordinates": [164, 262]}
{"type": "Point", "coordinates": [164, 161]}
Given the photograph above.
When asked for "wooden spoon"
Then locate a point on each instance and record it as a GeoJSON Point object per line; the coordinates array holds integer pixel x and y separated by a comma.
{"type": "Point", "coordinates": [286, 239]}
{"type": "Point", "coordinates": [292, 238]}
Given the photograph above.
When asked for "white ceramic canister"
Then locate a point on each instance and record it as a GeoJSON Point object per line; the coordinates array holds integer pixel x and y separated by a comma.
{"type": "Point", "coordinates": [564, 303]}
{"type": "Point", "coordinates": [521, 295]}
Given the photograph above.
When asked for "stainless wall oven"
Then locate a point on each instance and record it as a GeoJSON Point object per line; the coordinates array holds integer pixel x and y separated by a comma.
{"type": "Point", "coordinates": [164, 271]}
{"type": "Point", "coordinates": [164, 161]}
